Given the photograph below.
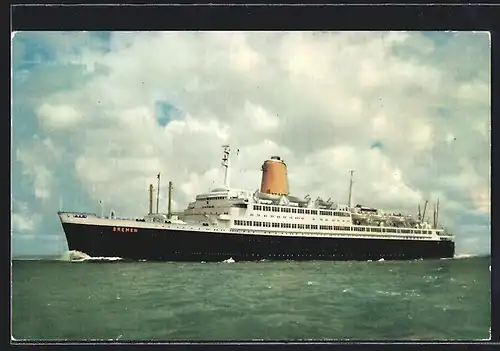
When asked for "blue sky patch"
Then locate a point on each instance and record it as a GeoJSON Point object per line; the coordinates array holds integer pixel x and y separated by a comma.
{"type": "Point", "coordinates": [29, 51]}
{"type": "Point", "coordinates": [165, 112]}
{"type": "Point", "coordinates": [376, 145]}
{"type": "Point", "coordinates": [443, 111]}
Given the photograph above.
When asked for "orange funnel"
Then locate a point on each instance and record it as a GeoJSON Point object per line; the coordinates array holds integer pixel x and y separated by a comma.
{"type": "Point", "coordinates": [274, 177]}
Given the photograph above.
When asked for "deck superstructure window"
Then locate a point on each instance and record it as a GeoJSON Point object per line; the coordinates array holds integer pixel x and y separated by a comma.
{"type": "Point", "coordinates": [352, 231]}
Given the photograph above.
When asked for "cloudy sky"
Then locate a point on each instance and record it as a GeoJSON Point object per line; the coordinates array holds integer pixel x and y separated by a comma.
{"type": "Point", "coordinates": [96, 115]}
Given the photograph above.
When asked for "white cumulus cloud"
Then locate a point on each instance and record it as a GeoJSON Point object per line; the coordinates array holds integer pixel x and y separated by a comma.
{"type": "Point", "coordinates": [58, 117]}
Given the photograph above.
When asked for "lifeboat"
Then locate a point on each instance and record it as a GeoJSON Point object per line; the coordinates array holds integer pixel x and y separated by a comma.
{"type": "Point", "coordinates": [298, 200]}
{"type": "Point", "coordinates": [266, 196]}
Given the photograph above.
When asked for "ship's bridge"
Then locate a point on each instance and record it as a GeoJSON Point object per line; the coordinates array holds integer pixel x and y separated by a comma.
{"type": "Point", "coordinates": [224, 193]}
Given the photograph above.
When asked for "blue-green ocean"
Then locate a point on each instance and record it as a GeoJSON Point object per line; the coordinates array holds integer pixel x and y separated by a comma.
{"type": "Point", "coordinates": [390, 300]}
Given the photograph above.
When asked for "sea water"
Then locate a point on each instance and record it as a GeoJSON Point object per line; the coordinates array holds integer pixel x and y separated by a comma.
{"type": "Point", "coordinates": [320, 300]}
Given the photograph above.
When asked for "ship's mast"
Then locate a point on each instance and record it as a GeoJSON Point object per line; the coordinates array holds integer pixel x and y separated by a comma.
{"type": "Point", "coordinates": [158, 194]}
{"type": "Point", "coordinates": [225, 164]}
{"type": "Point", "coordinates": [150, 199]}
{"type": "Point", "coordinates": [434, 217]}
{"type": "Point", "coordinates": [169, 200]}
{"type": "Point", "coordinates": [425, 208]}
{"type": "Point", "coordinates": [437, 213]}
{"type": "Point", "coordinates": [350, 189]}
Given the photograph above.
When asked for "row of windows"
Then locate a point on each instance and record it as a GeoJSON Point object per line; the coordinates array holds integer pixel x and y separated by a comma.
{"type": "Point", "coordinates": [192, 212]}
{"type": "Point", "coordinates": [298, 210]}
{"type": "Point", "coordinates": [357, 236]}
{"type": "Point", "coordinates": [291, 217]}
{"type": "Point", "coordinates": [211, 198]}
{"type": "Point", "coordinates": [276, 225]}
{"type": "Point", "coordinates": [327, 227]}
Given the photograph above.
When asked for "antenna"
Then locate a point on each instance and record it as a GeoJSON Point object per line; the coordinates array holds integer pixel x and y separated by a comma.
{"type": "Point", "coordinates": [158, 194]}
{"type": "Point", "coordinates": [102, 208]}
{"type": "Point", "coordinates": [225, 164]}
{"type": "Point", "coordinates": [350, 189]}
{"type": "Point", "coordinates": [419, 213]}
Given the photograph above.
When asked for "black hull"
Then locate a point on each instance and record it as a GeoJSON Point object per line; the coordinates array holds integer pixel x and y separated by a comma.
{"type": "Point", "coordinates": [175, 245]}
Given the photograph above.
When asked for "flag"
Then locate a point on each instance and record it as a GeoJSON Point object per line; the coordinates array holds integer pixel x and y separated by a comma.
{"type": "Point", "coordinates": [237, 152]}
{"type": "Point", "coordinates": [158, 176]}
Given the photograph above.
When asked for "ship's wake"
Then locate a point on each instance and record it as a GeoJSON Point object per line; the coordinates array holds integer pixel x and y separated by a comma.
{"type": "Point", "coordinates": [461, 256]}
{"type": "Point", "coordinates": [78, 256]}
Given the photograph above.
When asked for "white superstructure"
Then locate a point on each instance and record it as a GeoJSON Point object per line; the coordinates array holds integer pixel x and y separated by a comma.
{"type": "Point", "coordinates": [239, 210]}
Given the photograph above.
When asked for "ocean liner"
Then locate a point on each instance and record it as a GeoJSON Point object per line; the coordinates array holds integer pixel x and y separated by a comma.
{"type": "Point", "coordinates": [270, 223]}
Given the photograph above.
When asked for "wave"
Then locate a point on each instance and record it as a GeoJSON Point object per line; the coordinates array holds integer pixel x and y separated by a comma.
{"type": "Point", "coordinates": [78, 256]}
{"type": "Point", "coordinates": [109, 259]}
{"type": "Point", "coordinates": [229, 260]}
{"type": "Point", "coordinates": [459, 256]}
